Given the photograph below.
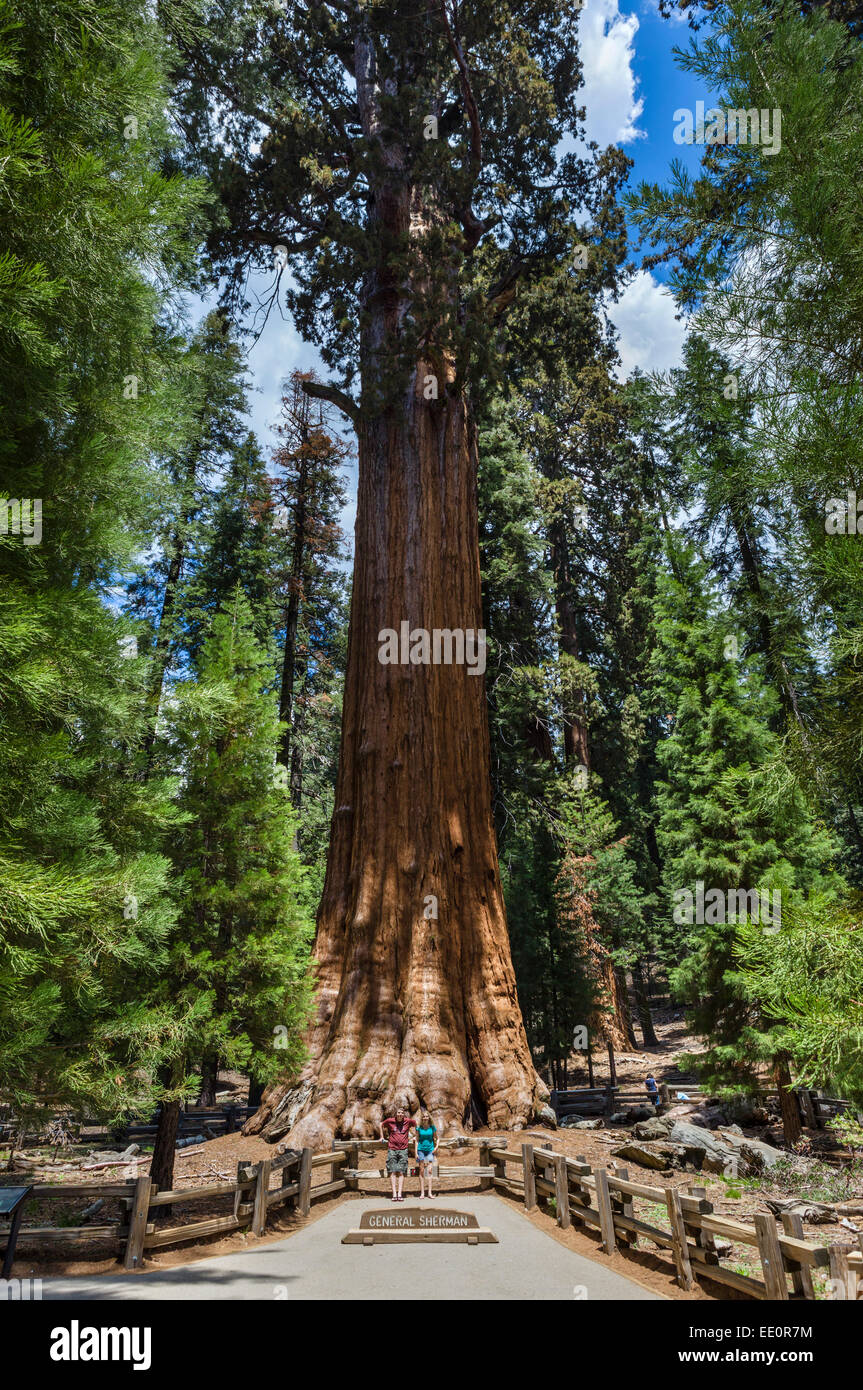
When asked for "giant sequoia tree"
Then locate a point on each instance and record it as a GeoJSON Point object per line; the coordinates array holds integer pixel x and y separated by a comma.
{"type": "Point", "coordinates": [399, 163]}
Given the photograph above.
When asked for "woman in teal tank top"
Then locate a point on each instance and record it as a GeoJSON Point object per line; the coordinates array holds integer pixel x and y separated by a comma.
{"type": "Point", "coordinates": [427, 1142]}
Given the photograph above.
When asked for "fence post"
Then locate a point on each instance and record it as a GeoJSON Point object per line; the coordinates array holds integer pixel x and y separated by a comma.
{"type": "Point", "coordinates": [138, 1223]}
{"type": "Point", "coordinates": [809, 1117]}
{"type": "Point", "coordinates": [353, 1161]}
{"type": "Point", "coordinates": [623, 1204]}
{"type": "Point", "coordinates": [772, 1262]}
{"type": "Point", "coordinates": [561, 1191]}
{"type": "Point", "coordinates": [705, 1240]}
{"type": "Point", "coordinates": [529, 1177]}
{"type": "Point", "coordinates": [304, 1196]}
{"type": "Point", "coordinates": [262, 1187]}
{"type": "Point", "coordinates": [499, 1171]}
{"type": "Point", "coordinates": [245, 1170]}
{"type": "Point", "coordinates": [842, 1281]}
{"type": "Point", "coordinates": [678, 1236]}
{"type": "Point", "coordinates": [801, 1277]}
{"type": "Point", "coordinates": [606, 1215]}
{"type": "Point", "coordinates": [485, 1162]}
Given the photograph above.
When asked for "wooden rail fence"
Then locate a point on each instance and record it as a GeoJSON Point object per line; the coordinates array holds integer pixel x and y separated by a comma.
{"type": "Point", "coordinates": [588, 1101]}
{"type": "Point", "coordinates": [602, 1201]}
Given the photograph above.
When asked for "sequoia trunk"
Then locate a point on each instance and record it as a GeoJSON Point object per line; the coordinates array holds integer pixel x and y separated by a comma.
{"type": "Point", "coordinates": [417, 998]}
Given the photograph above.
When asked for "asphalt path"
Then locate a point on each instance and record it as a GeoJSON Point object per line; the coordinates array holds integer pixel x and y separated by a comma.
{"type": "Point", "coordinates": [526, 1264]}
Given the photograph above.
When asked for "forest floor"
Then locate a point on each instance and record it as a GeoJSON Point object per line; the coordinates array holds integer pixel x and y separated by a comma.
{"type": "Point", "coordinates": [822, 1173]}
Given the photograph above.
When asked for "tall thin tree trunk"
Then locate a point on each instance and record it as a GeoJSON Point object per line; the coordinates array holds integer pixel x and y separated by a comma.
{"type": "Point", "coordinates": [164, 1146]}
{"type": "Point", "coordinates": [209, 1077]}
{"type": "Point", "coordinates": [292, 612]}
{"type": "Point", "coordinates": [788, 1103]}
{"type": "Point", "coordinates": [645, 1017]}
{"type": "Point", "coordinates": [576, 747]}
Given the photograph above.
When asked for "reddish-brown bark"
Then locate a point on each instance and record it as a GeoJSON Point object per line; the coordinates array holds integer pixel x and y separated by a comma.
{"type": "Point", "coordinates": [421, 1010]}
{"type": "Point", "coordinates": [409, 1009]}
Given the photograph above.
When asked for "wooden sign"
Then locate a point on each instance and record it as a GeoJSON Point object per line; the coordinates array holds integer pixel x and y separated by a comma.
{"type": "Point", "coordinates": [418, 1219]}
{"type": "Point", "coordinates": [420, 1225]}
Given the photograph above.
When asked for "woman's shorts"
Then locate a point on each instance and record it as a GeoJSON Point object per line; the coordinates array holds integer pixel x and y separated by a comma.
{"type": "Point", "coordinates": [397, 1160]}
{"type": "Point", "coordinates": [425, 1157]}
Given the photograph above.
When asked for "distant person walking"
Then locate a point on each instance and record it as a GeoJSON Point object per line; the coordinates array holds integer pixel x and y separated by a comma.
{"type": "Point", "coordinates": [396, 1130]}
{"type": "Point", "coordinates": [427, 1142]}
{"type": "Point", "coordinates": [652, 1089]}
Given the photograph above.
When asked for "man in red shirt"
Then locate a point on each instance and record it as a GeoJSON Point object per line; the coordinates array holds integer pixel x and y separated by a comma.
{"type": "Point", "coordinates": [396, 1131]}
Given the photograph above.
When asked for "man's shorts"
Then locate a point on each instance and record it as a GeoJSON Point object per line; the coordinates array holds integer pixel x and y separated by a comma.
{"type": "Point", "coordinates": [397, 1160]}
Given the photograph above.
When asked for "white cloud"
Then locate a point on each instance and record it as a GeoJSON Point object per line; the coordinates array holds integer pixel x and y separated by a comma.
{"type": "Point", "coordinates": [650, 336]}
{"type": "Point", "coordinates": [606, 39]}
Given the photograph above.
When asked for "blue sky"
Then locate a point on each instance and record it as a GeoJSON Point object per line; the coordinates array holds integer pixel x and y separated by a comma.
{"type": "Point", "coordinates": [632, 90]}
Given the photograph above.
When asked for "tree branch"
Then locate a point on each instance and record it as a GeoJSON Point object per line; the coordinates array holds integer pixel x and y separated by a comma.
{"type": "Point", "coordinates": [323, 392]}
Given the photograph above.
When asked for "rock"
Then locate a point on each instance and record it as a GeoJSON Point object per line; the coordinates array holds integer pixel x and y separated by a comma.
{"type": "Point", "coordinates": [546, 1116]}
{"type": "Point", "coordinates": [706, 1150]}
{"type": "Point", "coordinates": [657, 1127]}
{"type": "Point", "coordinates": [759, 1156]}
{"type": "Point", "coordinates": [708, 1117]}
{"type": "Point", "coordinates": [618, 1118]}
{"type": "Point", "coordinates": [641, 1154]}
{"type": "Point", "coordinates": [639, 1113]}
{"type": "Point", "coordinates": [756, 1154]}
{"type": "Point", "coordinates": [131, 1151]}
{"type": "Point", "coordinates": [572, 1122]}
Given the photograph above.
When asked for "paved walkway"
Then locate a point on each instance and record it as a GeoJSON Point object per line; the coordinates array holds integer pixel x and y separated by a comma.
{"type": "Point", "coordinates": [527, 1264]}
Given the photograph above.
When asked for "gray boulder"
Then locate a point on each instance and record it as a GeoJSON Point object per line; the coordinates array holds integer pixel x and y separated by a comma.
{"type": "Point", "coordinates": [546, 1116]}
{"type": "Point", "coordinates": [745, 1110]}
{"type": "Point", "coordinates": [639, 1113]}
{"type": "Point", "coordinates": [757, 1155]}
{"type": "Point", "coordinates": [657, 1155]}
{"type": "Point", "coordinates": [573, 1122]}
{"type": "Point", "coordinates": [703, 1148]}
{"type": "Point", "coordinates": [657, 1127]}
{"type": "Point", "coordinates": [708, 1117]}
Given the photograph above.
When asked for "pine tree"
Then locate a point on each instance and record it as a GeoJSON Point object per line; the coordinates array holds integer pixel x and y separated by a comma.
{"type": "Point", "coordinates": [309, 497]}
{"type": "Point", "coordinates": [732, 818]}
{"type": "Point", "coordinates": [89, 392]}
{"type": "Point", "coordinates": [213, 368]}
{"type": "Point", "coordinates": [238, 546]}
{"type": "Point", "coordinates": [808, 980]}
{"type": "Point", "coordinates": [240, 950]}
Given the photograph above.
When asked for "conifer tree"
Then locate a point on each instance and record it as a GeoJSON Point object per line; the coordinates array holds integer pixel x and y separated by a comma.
{"type": "Point", "coordinates": [239, 953]}
{"type": "Point", "coordinates": [89, 393]}
{"type": "Point", "coordinates": [732, 818]}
